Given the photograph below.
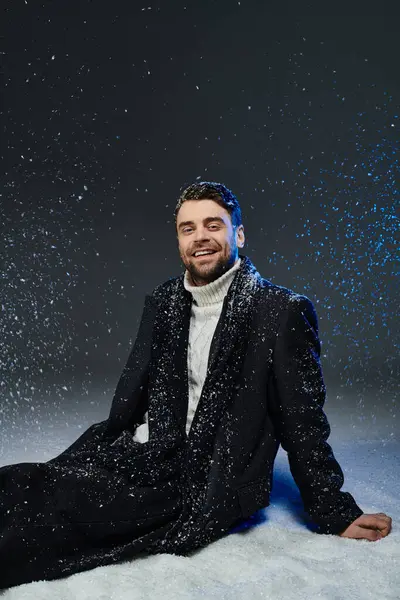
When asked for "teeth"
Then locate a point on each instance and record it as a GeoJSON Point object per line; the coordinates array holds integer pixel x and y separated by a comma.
{"type": "Point", "coordinates": [202, 253]}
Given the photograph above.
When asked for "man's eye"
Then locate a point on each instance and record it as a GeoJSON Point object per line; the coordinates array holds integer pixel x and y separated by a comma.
{"type": "Point", "coordinates": [188, 228]}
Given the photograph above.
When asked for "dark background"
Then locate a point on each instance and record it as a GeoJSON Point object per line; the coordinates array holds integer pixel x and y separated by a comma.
{"type": "Point", "coordinates": [110, 108]}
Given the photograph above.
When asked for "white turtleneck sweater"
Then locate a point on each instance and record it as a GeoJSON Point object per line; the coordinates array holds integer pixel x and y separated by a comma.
{"type": "Point", "coordinates": [205, 312]}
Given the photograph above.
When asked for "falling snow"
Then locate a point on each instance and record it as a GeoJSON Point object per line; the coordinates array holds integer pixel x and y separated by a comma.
{"type": "Point", "coordinates": [105, 117]}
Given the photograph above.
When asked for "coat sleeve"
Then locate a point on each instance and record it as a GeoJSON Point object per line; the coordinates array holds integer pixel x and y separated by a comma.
{"type": "Point", "coordinates": [130, 401]}
{"type": "Point", "coordinates": [301, 423]}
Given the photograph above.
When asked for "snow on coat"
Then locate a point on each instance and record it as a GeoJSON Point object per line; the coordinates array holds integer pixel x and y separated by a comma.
{"type": "Point", "coordinates": [108, 497]}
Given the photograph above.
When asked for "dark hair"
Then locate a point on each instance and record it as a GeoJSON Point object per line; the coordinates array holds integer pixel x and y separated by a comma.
{"type": "Point", "coordinates": [211, 190]}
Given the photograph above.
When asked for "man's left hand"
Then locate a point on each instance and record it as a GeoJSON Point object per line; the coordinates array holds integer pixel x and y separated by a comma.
{"type": "Point", "coordinates": [369, 527]}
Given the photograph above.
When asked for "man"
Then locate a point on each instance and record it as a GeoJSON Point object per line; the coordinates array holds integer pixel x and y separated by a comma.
{"type": "Point", "coordinates": [225, 368]}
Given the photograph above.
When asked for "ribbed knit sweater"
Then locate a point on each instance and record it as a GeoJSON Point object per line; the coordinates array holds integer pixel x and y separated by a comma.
{"type": "Point", "coordinates": [205, 312]}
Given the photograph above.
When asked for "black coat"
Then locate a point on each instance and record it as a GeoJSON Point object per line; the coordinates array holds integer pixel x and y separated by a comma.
{"type": "Point", "coordinates": [278, 399]}
{"type": "Point", "coordinates": [106, 497]}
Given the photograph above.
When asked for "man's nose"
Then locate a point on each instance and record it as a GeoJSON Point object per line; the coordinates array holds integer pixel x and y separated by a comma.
{"type": "Point", "coordinates": [201, 234]}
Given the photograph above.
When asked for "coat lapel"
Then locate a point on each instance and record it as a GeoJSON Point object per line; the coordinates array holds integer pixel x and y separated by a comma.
{"type": "Point", "coordinates": [177, 367]}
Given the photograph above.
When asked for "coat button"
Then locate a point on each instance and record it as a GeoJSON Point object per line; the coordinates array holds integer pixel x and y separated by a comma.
{"type": "Point", "coordinates": [210, 524]}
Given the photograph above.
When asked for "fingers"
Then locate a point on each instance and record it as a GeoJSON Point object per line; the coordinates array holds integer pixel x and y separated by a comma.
{"type": "Point", "coordinates": [384, 523]}
{"type": "Point", "coordinates": [369, 527]}
{"type": "Point", "coordinates": [386, 518]}
{"type": "Point", "coordinates": [372, 535]}
{"type": "Point", "coordinates": [362, 533]}
{"type": "Point", "coordinates": [379, 521]}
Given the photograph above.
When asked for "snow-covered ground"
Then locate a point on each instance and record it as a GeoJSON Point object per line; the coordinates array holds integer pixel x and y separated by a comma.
{"type": "Point", "coordinates": [277, 558]}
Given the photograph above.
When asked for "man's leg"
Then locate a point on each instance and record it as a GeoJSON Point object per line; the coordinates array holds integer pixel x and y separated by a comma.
{"type": "Point", "coordinates": [64, 517]}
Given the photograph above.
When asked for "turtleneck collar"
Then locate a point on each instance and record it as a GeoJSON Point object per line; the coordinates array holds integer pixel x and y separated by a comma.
{"type": "Point", "coordinates": [214, 292]}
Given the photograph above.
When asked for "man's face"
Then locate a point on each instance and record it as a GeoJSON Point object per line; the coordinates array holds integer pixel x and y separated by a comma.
{"type": "Point", "coordinates": [204, 224]}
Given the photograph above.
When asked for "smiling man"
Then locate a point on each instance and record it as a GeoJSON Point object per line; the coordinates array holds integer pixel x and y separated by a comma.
{"type": "Point", "coordinates": [224, 369]}
{"type": "Point", "coordinates": [206, 260]}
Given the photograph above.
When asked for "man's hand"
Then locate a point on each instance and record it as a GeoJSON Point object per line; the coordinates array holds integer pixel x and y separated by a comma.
{"type": "Point", "coordinates": [369, 527]}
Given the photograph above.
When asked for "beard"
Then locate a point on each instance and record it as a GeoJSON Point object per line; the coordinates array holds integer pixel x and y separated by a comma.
{"type": "Point", "coordinates": [210, 270]}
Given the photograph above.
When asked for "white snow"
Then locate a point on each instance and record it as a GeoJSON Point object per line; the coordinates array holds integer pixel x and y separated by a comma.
{"type": "Point", "coordinates": [279, 558]}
